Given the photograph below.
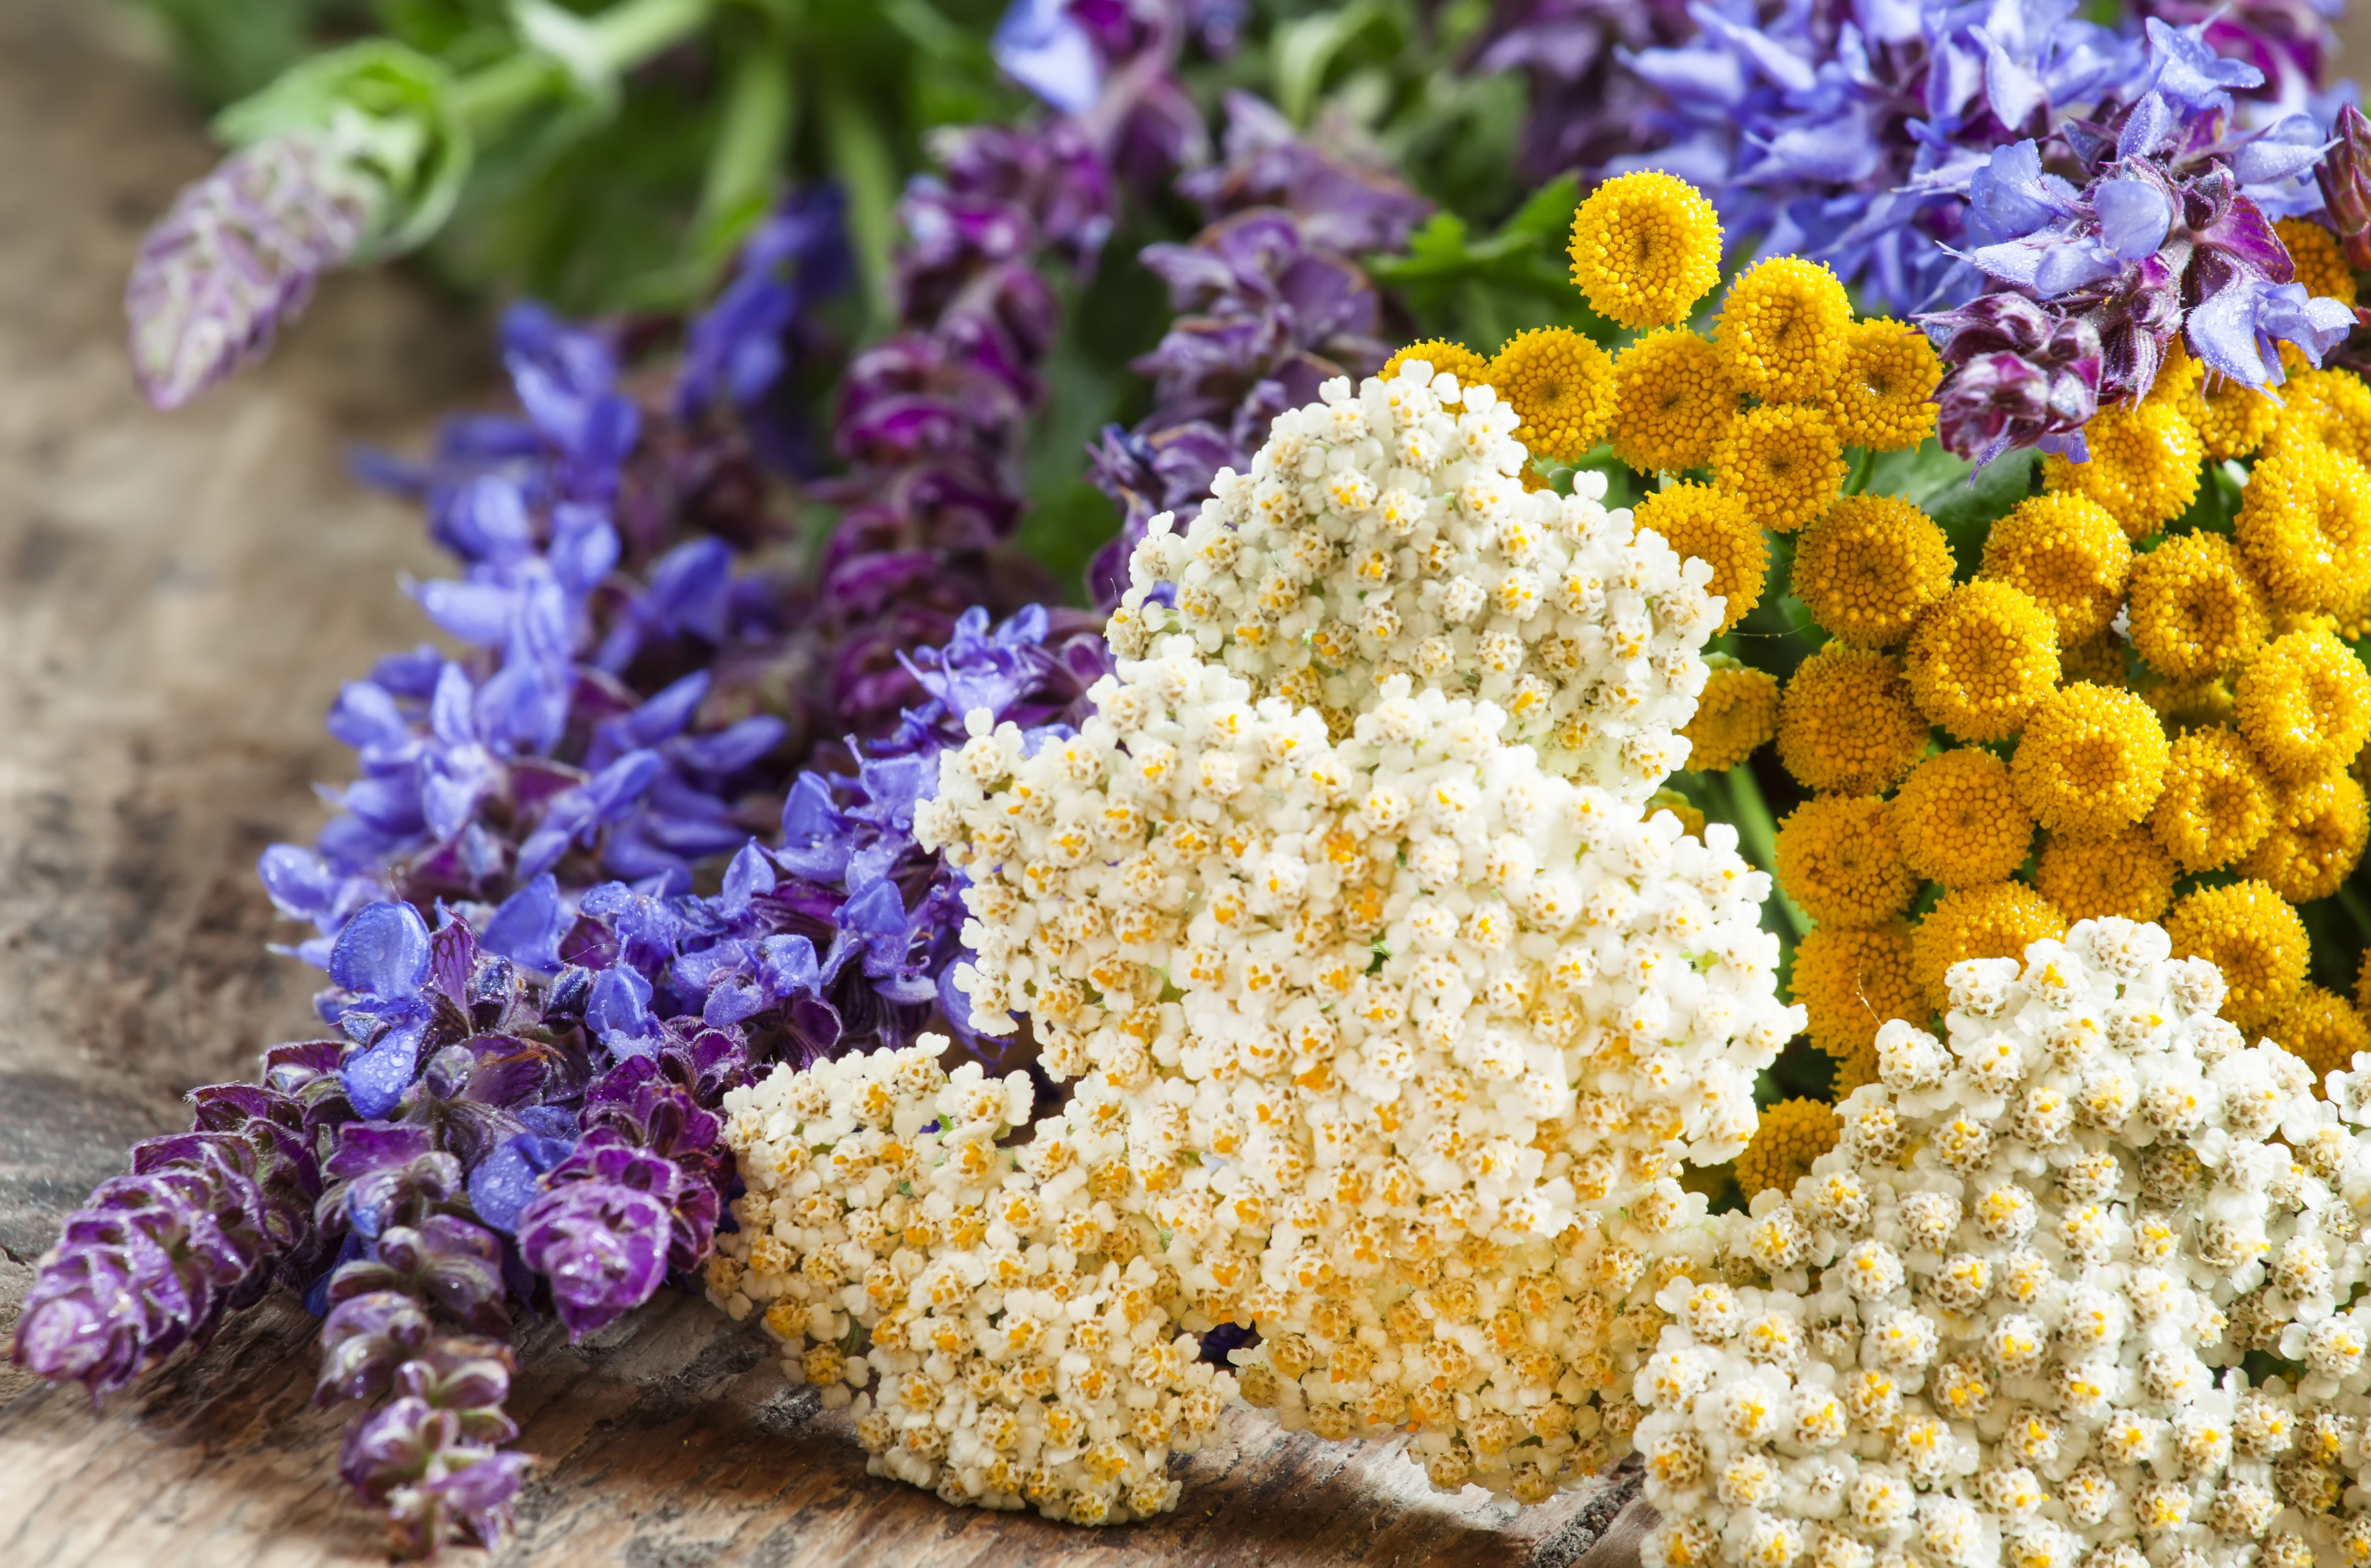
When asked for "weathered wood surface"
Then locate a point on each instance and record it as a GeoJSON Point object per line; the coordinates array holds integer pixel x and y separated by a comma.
{"type": "Point", "coordinates": [179, 598]}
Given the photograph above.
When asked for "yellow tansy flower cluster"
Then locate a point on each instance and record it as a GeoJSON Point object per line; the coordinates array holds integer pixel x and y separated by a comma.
{"type": "Point", "coordinates": [1793, 1133]}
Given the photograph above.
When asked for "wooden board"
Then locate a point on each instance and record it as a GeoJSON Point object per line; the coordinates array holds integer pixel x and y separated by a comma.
{"type": "Point", "coordinates": [179, 597]}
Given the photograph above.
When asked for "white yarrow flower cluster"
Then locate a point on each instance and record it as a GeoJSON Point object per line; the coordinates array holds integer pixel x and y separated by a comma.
{"type": "Point", "coordinates": [1389, 531]}
{"type": "Point", "coordinates": [2002, 1322]}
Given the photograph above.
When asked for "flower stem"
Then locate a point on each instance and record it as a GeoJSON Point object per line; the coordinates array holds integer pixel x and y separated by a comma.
{"type": "Point", "coordinates": [860, 156]}
{"type": "Point", "coordinates": [617, 41]}
{"type": "Point", "coordinates": [1751, 815]}
{"type": "Point", "coordinates": [744, 165]}
{"type": "Point", "coordinates": [1861, 470]}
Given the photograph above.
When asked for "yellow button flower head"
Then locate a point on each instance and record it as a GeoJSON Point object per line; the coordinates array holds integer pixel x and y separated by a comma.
{"type": "Point", "coordinates": [2196, 611]}
{"type": "Point", "coordinates": [2217, 803]}
{"type": "Point", "coordinates": [2184, 706]}
{"type": "Point", "coordinates": [1737, 712]}
{"type": "Point", "coordinates": [1561, 385]}
{"type": "Point", "coordinates": [1845, 723]}
{"type": "Point", "coordinates": [2322, 1029]}
{"type": "Point", "coordinates": [2068, 556]}
{"type": "Point", "coordinates": [2305, 704]}
{"type": "Point", "coordinates": [2231, 418]}
{"type": "Point", "coordinates": [2305, 528]}
{"type": "Point", "coordinates": [1470, 368]}
{"type": "Point", "coordinates": [2178, 378]}
{"type": "Point", "coordinates": [1793, 1133]}
{"type": "Point", "coordinates": [1997, 920]}
{"type": "Point", "coordinates": [2125, 874]}
{"type": "Point", "coordinates": [1850, 981]}
{"type": "Point", "coordinates": [1785, 464]}
{"type": "Point", "coordinates": [1869, 567]}
{"type": "Point", "coordinates": [2143, 466]}
{"type": "Point", "coordinates": [2090, 760]}
{"type": "Point", "coordinates": [2316, 837]}
{"type": "Point", "coordinates": [2253, 934]}
{"type": "Point", "coordinates": [1837, 859]}
{"type": "Point", "coordinates": [1884, 397]}
{"type": "Point", "coordinates": [1711, 526]}
{"type": "Point", "coordinates": [2324, 408]}
{"type": "Point", "coordinates": [1645, 249]}
{"type": "Point", "coordinates": [1982, 659]}
{"type": "Point", "coordinates": [1672, 399]}
{"type": "Point", "coordinates": [1692, 821]}
{"type": "Point", "coordinates": [2321, 265]}
{"type": "Point", "coordinates": [1784, 329]}
{"type": "Point", "coordinates": [2100, 660]}
{"type": "Point", "coordinates": [1959, 821]}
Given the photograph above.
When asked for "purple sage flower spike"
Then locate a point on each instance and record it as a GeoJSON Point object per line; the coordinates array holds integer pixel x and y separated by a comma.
{"type": "Point", "coordinates": [237, 257]}
{"type": "Point", "coordinates": [428, 1457]}
{"type": "Point", "coordinates": [2345, 178]}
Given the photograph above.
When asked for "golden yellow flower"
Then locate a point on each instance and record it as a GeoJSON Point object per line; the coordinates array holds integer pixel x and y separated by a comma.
{"type": "Point", "coordinates": [2090, 760]}
{"type": "Point", "coordinates": [1711, 526]}
{"type": "Point", "coordinates": [2324, 408]}
{"type": "Point", "coordinates": [2232, 417]}
{"type": "Point", "coordinates": [2196, 611]}
{"type": "Point", "coordinates": [2122, 874]}
{"type": "Point", "coordinates": [1793, 1133]}
{"type": "Point", "coordinates": [2068, 556]}
{"type": "Point", "coordinates": [1736, 713]}
{"type": "Point", "coordinates": [2305, 528]}
{"type": "Point", "coordinates": [2305, 704]}
{"type": "Point", "coordinates": [1869, 567]}
{"type": "Point", "coordinates": [2321, 265]}
{"type": "Point", "coordinates": [1783, 463]}
{"type": "Point", "coordinates": [2217, 803]}
{"type": "Point", "coordinates": [1672, 400]}
{"type": "Point", "coordinates": [1561, 385]}
{"type": "Point", "coordinates": [2142, 468]}
{"type": "Point", "coordinates": [1837, 859]}
{"type": "Point", "coordinates": [1996, 921]}
{"type": "Point", "coordinates": [1784, 329]}
{"type": "Point", "coordinates": [2322, 1030]}
{"type": "Point", "coordinates": [1884, 398]}
{"type": "Point", "coordinates": [2184, 706]}
{"type": "Point", "coordinates": [2251, 934]}
{"type": "Point", "coordinates": [1470, 368]}
{"type": "Point", "coordinates": [2317, 832]}
{"type": "Point", "coordinates": [1850, 981]}
{"type": "Point", "coordinates": [2099, 660]}
{"type": "Point", "coordinates": [2179, 378]}
{"type": "Point", "coordinates": [1982, 659]}
{"type": "Point", "coordinates": [1692, 821]}
{"type": "Point", "coordinates": [1645, 247]}
{"type": "Point", "coordinates": [1959, 821]}
{"type": "Point", "coordinates": [1845, 723]}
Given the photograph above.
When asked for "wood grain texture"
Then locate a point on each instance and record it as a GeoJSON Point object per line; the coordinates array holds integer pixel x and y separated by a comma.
{"type": "Point", "coordinates": [179, 597]}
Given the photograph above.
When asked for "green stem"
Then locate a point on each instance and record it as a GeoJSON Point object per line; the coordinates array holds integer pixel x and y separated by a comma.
{"type": "Point", "coordinates": [629, 34]}
{"type": "Point", "coordinates": [860, 158]}
{"type": "Point", "coordinates": [1861, 471]}
{"type": "Point", "coordinates": [1751, 815]}
{"type": "Point", "coordinates": [617, 41]}
{"type": "Point", "coordinates": [745, 167]}
{"type": "Point", "coordinates": [489, 97]}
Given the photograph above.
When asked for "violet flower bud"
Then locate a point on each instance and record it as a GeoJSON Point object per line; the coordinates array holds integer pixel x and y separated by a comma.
{"type": "Point", "coordinates": [427, 1459]}
{"type": "Point", "coordinates": [2014, 375]}
{"type": "Point", "coordinates": [2344, 175]}
{"type": "Point", "coordinates": [237, 257]}
{"type": "Point", "coordinates": [367, 1337]}
{"type": "Point", "coordinates": [602, 1231]}
{"type": "Point", "coordinates": [446, 1262]}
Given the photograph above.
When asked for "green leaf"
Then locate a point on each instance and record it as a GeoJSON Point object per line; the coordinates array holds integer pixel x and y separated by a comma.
{"type": "Point", "coordinates": [1965, 501]}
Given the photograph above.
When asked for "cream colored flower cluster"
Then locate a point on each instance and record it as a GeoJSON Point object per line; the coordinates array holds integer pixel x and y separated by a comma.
{"type": "Point", "coordinates": [1389, 530]}
{"type": "Point", "coordinates": [1010, 1337]}
{"type": "Point", "coordinates": [1988, 1326]}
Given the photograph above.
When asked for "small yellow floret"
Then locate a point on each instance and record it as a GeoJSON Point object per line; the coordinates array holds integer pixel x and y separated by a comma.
{"type": "Point", "coordinates": [2196, 611]}
{"type": "Point", "coordinates": [2305, 528]}
{"type": "Point", "coordinates": [1672, 400]}
{"type": "Point", "coordinates": [1711, 526]}
{"type": "Point", "coordinates": [2184, 706]}
{"type": "Point", "coordinates": [2253, 934]}
{"type": "Point", "coordinates": [1869, 567]}
{"type": "Point", "coordinates": [2305, 704]}
{"type": "Point", "coordinates": [1850, 981]}
{"type": "Point", "coordinates": [1784, 329]}
{"type": "Point", "coordinates": [1837, 859]}
{"type": "Point", "coordinates": [2321, 265]}
{"type": "Point", "coordinates": [1845, 723]}
{"type": "Point", "coordinates": [1561, 386]}
{"type": "Point", "coordinates": [2101, 660]}
{"type": "Point", "coordinates": [2068, 556]}
{"type": "Point", "coordinates": [1736, 713]}
{"type": "Point", "coordinates": [2316, 837]}
{"type": "Point", "coordinates": [2090, 760]}
{"type": "Point", "coordinates": [2217, 803]}
{"type": "Point", "coordinates": [2322, 1030]}
{"type": "Point", "coordinates": [1470, 368]}
{"type": "Point", "coordinates": [1998, 920]}
{"type": "Point", "coordinates": [1793, 1133]}
{"type": "Point", "coordinates": [1959, 821]}
{"type": "Point", "coordinates": [2231, 418]}
{"type": "Point", "coordinates": [1645, 247]}
{"type": "Point", "coordinates": [2124, 874]}
{"type": "Point", "coordinates": [2142, 468]}
{"type": "Point", "coordinates": [2324, 408]}
{"type": "Point", "coordinates": [1884, 397]}
{"type": "Point", "coordinates": [1982, 659]}
{"type": "Point", "coordinates": [1783, 463]}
